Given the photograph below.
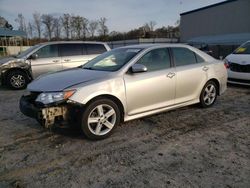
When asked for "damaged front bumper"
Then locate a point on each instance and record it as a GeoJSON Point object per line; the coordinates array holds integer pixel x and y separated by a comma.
{"type": "Point", "coordinates": [49, 116]}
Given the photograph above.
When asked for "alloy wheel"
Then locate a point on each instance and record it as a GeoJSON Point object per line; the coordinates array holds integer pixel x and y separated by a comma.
{"type": "Point", "coordinates": [17, 81]}
{"type": "Point", "coordinates": [101, 119]}
{"type": "Point", "coordinates": [209, 94]}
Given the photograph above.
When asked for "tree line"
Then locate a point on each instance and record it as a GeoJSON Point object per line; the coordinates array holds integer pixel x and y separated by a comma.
{"type": "Point", "coordinates": [74, 27]}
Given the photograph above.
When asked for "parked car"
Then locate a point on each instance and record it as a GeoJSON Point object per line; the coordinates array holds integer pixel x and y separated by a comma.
{"type": "Point", "coordinates": [238, 65]}
{"type": "Point", "coordinates": [124, 84]}
{"type": "Point", "coordinates": [16, 72]}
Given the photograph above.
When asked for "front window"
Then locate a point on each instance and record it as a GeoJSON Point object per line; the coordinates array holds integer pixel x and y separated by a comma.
{"type": "Point", "coordinates": [244, 49]}
{"type": "Point", "coordinates": [28, 51]}
{"type": "Point", "coordinates": [112, 60]}
{"type": "Point", "coordinates": [48, 51]}
{"type": "Point", "coordinates": [157, 59]}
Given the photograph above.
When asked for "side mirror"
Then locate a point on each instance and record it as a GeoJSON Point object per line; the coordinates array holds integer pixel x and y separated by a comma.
{"type": "Point", "coordinates": [136, 68]}
{"type": "Point", "coordinates": [34, 56]}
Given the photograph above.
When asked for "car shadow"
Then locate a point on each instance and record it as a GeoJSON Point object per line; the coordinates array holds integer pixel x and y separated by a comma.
{"type": "Point", "coordinates": [237, 86]}
{"type": "Point", "coordinates": [4, 88]}
{"type": "Point", "coordinates": [71, 132]}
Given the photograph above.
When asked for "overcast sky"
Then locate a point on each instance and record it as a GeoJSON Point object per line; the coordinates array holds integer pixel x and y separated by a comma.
{"type": "Point", "coordinates": [122, 15]}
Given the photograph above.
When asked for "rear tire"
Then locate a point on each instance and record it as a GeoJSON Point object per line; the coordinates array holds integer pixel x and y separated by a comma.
{"type": "Point", "coordinates": [208, 94]}
{"type": "Point", "coordinates": [100, 118]}
{"type": "Point", "coordinates": [17, 79]}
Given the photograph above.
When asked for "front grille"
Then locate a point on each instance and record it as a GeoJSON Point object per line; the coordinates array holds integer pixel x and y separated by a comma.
{"type": "Point", "coordinates": [239, 68]}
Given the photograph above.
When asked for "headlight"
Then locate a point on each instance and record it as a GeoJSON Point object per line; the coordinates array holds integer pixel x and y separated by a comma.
{"type": "Point", "coordinates": [47, 98]}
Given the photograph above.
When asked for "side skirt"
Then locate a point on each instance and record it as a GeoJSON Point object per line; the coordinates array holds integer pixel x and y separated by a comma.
{"type": "Point", "coordinates": [148, 113]}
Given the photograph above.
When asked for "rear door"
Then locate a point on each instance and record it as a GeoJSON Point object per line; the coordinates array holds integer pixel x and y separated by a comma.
{"type": "Point", "coordinates": [72, 55]}
{"type": "Point", "coordinates": [47, 60]}
{"type": "Point", "coordinates": [94, 50]}
{"type": "Point", "coordinates": [191, 74]}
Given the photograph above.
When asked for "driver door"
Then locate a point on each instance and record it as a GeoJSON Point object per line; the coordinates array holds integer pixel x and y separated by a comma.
{"type": "Point", "coordinates": [47, 60]}
{"type": "Point", "coordinates": [153, 89]}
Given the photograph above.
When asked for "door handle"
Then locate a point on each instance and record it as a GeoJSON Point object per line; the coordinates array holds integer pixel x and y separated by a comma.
{"type": "Point", "coordinates": [171, 75]}
{"type": "Point", "coordinates": [66, 60]}
{"type": "Point", "coordinates": [205, 68]}
{"type": "Point", "coordinates": [55, 61]}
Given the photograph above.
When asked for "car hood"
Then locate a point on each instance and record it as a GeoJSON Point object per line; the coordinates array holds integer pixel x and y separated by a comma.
{"type": "Point", "coordinates": [7, 59]}
{"type": "Point", "coordinates": [61, 80]}
{"type": "Point", "coordinates": [242, 59]}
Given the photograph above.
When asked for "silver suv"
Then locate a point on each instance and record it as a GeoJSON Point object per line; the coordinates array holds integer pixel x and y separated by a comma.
{"type": "Point", "coordinates": [16, 72]}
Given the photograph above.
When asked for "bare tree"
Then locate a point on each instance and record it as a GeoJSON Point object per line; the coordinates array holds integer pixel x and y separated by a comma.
{"type": "Point", "coordinates": [37, 23]}
{"type": "Point", "coordinates": [21, 22]}
{"type": "Point", "coordinates": [85, 23]}
{"type": "Point", "coordinates": [30, 30]}
{"type": "Point", "coordinates": [57, 27]}
{"type": "Point", "coordinates": [145, 30]}
{"type": "Point", "coordinates": [93, 27]}
{"type": "Point", "coordinates": [151, 25]}
{"type": "Point", "coordinates": [66, 24]}
{"type": "Point", "coordinates": [47, 20]}
{"type": "Point", "coordinates": [76, 25]}
{"type": "Point", "coordinates": [103, 29]}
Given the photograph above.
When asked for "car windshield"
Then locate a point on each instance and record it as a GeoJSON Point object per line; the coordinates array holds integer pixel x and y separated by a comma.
{"type": "Point", "coordinates": [244, 49]}
{"type": "Point", "coordinates": [112, 60]}
{"type": "Point", "coordinates": [26, 52]}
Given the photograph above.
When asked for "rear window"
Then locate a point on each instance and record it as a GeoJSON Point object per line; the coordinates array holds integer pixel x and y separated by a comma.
{"type": "Point", "coordinates": [199, 59]}
{"type": "Point", "coordinates": [183, 56]}
{"type": "Point", "coordinates": [95, 49]}
{"type": "Point", "coordinates": [244, 49]}
{"type": "Point", "coordinates": [72, 49]}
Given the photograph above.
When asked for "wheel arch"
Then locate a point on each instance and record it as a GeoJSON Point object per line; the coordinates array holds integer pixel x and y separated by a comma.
{"type": "Point", "coordinates": [216, 81]}
{"type": "Point", "coordinates": [8, 71]}
{"type": "Point", "coordinates": [113, 98]}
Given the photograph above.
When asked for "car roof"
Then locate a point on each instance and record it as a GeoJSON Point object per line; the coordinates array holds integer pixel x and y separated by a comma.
{"type": "Point", "coordinates": [146, 46]}
{"type": "Point", "coordinates": [70, 42]}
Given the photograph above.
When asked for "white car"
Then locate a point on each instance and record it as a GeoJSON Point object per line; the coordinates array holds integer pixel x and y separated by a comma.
{"type": "Point", "coordinates": [238, 65]}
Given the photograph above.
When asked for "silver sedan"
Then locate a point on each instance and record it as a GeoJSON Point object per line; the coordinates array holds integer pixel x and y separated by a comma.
{"type": "Point", "coordinates": [124, 84]}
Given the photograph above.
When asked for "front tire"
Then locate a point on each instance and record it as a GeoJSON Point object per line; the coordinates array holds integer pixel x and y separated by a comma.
{"type": "Point", "coordinates": [17, 79]}
{"type": "Point", "coordinates": [208, 94]}
{"type": "Point", "coordinates": [100, 118]}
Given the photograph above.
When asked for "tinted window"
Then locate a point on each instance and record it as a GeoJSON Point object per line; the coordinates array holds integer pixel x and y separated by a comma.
{"type": "Point", "coordinates": [72, 49]}
{"type": "Point", "coordinates": [157, 59]}
{"type": "Point", "coordinates": [244, 49]}
{"type": "Point", "coordinates": [199, 59]}
{"type": "Point", "coordinates": [95, 49]}
{"type": "Point", "coordinates": [183, 56]}
{"type": "Point", "coordinates": [48, 51]}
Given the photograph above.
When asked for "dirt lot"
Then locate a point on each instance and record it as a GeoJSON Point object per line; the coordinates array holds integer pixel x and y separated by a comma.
{"type": "Point", "coordinates": [188, 147]}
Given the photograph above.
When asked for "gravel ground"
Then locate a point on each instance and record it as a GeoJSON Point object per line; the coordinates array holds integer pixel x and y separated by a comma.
{"type": "Point", "coordinates": [188, 147]}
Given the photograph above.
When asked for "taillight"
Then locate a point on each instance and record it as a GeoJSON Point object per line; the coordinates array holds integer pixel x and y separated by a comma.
{"type": "Point", "coordinates": [226, 64]}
